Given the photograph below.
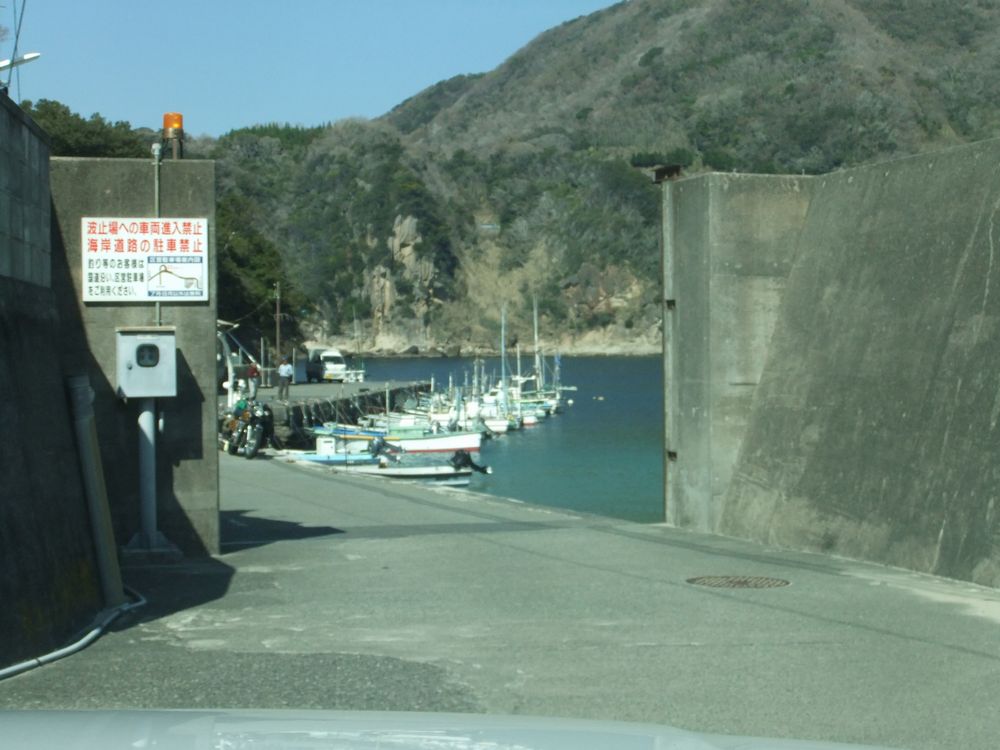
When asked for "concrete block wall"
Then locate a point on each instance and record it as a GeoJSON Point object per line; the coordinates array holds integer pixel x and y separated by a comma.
{"type": "Point", "coordinates": [187, 450]}
{"type": "Point", "coordinates": [730, 242]}
{"type": "Point", "coordinates": [49, 588]}
{"type": "Point", "coordinates": [24, 197]}
{"type": "Point", "coordinates": [875, 429]}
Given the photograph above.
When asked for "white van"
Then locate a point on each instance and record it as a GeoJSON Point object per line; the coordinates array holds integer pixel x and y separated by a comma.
{"type": "Point", "coordinates": [334, 366]}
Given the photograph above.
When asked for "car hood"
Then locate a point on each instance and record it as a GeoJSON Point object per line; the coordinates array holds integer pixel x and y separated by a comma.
{"type": "Point", "coordinates": [336, 730]}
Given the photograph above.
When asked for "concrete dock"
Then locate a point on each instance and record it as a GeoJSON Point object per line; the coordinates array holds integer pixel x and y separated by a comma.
{"type": "Point", "coordinates": [321, 402]}
{"type": "Point", "coordinates": [354, 593]}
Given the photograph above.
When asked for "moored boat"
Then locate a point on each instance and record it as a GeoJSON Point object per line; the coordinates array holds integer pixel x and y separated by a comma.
{"type": "Point", "coordinates": [436, 473]}
{"type": "Point", "coordinates": [408, 441]}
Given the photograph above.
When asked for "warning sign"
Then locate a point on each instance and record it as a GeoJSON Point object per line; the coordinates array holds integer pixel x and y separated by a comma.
{"type": "Point", "coordinates": [144, 259]}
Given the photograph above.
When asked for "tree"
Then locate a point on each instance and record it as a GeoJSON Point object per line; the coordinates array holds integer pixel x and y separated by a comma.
{"type": "Point", "coordinates": [248, 266]}
{"type": "Point", "coordinates": [72, 135]}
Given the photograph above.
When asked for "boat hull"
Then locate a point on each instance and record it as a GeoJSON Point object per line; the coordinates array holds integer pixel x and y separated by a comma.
{"type": "Point", "coordinates": [443, 443]}
{"type": "Point", "coordinates": [330, 459]}
{"type": "Point", "coordinates": [439, 442]}
{"type": "Point", "coordinates": [437, 474]}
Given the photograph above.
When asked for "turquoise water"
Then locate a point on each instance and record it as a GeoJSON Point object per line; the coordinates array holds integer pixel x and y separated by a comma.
{"type": "Point", "coordinates": [602, 455]}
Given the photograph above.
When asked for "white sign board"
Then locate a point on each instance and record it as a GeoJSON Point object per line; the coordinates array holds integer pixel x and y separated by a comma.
{"type": "Point", "coordinates": [144, 259]}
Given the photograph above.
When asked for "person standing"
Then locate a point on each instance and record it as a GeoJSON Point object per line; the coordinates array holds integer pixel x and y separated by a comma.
{"type": "Point", "coordinates": [253, 379]}
{"type": "Point", "coordinates": [285, 373]}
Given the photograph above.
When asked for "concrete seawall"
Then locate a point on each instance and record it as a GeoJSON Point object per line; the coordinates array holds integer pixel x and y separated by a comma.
{"type": "Point", "coordinates": [733, 240]}
{"type": "Point", "coordinates": [49, 586]}
{"type": "Point", "coordinates": [874, 430]}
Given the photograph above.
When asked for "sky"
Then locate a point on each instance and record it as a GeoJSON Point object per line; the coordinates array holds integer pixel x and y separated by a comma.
{"type": "Point", "coordinates": [226, 64]}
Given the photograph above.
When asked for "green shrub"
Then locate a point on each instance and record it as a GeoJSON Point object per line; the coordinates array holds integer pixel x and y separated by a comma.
{"type": "Point", "coordinates": [650, 55]}
{"type": "Point", "coordinates": [719, 159]}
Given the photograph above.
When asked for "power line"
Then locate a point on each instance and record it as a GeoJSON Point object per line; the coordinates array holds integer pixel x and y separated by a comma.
{"type": "Point", "coordinates": [18, 19]}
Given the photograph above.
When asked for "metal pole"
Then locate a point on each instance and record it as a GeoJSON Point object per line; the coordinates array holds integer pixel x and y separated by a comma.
{"type": "Point", "coordinates": [147, 472]}
{"type": "Point", "coordinates": [147, 417]}
{"type": "Point", "coordinates": [157, 148]}
{"type": "Point", "coordinates": [263, 362]}
{"type": "Point", "coordinates": [277, 319]}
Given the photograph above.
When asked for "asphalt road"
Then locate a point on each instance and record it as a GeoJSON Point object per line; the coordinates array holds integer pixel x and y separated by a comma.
{"type": "Point", "coordinates": [352, 593]}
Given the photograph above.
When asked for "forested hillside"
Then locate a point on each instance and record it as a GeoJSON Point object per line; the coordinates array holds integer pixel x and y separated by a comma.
{"type": "Point", "coordinates": [520, 183]}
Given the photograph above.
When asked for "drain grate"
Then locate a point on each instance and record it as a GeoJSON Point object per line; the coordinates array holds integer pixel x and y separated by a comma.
{"type": "Point", "coordinates": [739, 582]}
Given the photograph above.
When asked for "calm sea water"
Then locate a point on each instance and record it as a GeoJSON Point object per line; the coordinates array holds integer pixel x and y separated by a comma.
{"type": "Point", "coordinates": [602, 455]}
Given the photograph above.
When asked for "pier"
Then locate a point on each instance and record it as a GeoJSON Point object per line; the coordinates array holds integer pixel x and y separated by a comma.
{"type": "Point", "coordinates": [314, 403]}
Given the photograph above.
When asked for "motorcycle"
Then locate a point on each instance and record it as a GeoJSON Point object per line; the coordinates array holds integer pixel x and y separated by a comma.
{"type": "Point", "coordinates": [246, 428]}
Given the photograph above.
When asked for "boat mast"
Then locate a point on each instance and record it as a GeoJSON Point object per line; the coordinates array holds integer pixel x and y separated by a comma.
{"type": "Point", "coordinates": [539, 374]}
{"type": "Point", "coordinates": [520, 382]}
{"type": "Point", "coordinates": [503, 359]}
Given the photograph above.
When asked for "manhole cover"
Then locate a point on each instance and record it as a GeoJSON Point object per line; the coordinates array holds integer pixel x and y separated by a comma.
{"type": "Point", "coordinates": [739, 582]}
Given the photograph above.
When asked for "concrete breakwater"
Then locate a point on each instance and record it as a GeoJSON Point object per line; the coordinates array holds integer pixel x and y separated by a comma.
{"type": "Point", "coordinates": [864, 419]}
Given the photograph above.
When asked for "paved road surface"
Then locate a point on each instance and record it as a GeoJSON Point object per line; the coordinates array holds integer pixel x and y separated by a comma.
{"type": "Point", "coordinates": [359, 594]}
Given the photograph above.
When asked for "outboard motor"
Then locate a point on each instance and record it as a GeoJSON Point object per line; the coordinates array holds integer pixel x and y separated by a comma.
{"type": "Point", "coordinates": [462, 460]}
{"type": "Point", "coordinates": [377, 446]}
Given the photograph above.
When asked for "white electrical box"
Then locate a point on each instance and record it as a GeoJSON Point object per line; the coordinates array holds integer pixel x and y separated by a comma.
{"type": "Point", "coordinates": [147, 361]}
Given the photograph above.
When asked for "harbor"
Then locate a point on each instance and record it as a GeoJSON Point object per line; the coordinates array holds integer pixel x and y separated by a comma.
{"type": "Point", "coordinates": [351, 431]}
{"type": "Point", "coordinates": [601, 455]}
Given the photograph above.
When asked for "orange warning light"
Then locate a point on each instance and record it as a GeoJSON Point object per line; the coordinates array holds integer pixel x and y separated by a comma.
{"type": "Point", "coordinates": [173, 121]}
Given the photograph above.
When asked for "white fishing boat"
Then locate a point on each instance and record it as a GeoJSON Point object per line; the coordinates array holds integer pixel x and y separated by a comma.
{"type": "Point", "coordinates": [408, 441]}
{"type": "Point", "coordinates": [444, 442]}
{"type": "Point", "coordinates": [329, 459]}
{"type": "Point", "coordinates": [329, 453]}
{"type": "Point", "coordinates": [436, 473]}
{"type": "Point", "coordinates": [455, 471]}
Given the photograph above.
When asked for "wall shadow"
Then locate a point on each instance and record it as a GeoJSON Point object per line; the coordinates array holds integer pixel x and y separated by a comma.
{"type": "Point", "coordinates": [173, 587]}
{"type": "Point", "coordinates": [238, 531]}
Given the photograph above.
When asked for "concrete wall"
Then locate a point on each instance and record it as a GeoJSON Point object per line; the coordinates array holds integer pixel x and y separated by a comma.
{"type": "Point", "coordinates": [24, 198]}
{"type": "Point", "coordinates": [187, 452]}
{"type": "Point", "coordinates": [48, 582]}
{"type": "Point", "coordinates": [730, 242]}
{"type": "Point", "coordinates": [875, 431]}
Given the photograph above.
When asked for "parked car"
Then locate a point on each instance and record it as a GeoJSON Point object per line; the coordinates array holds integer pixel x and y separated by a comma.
{"type": "Point", "coordinates": [327, 365]}
{"type": "Point", "coordinates": [314, 369]}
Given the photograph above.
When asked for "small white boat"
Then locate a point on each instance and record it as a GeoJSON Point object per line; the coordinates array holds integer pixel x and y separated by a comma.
{"type": "Point", "coordinates": [455, 471]}
{"type": "Point", "coordinates": [332, 459]}
{"type": "Point", "coordinates": [328, 459]}
{"type": "Point", "coordinates": [415, 441]}
{"type": "Point", "coordinates": [443, 442]}
{"type": "Point", "coordinates": [497, 425]}
{"type": "Point", "coordinates": [437, 473]}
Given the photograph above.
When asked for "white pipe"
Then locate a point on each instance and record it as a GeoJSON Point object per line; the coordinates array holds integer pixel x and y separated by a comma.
{"type": "Point", "coordinates": [82, 402]}
{"type": "Point", "coordinates": [227, 352]}
{"type": "Point", "coordinates": [147, 472]}
{"type": "Point", "coordinates": [82, 643]}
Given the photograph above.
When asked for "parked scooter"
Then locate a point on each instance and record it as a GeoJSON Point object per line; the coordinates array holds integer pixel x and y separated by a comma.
{"type": "Point", "coordinates": [247, 428]}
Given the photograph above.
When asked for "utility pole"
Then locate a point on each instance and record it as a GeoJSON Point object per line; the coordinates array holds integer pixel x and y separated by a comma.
{"type": "Point", "coordinates": [277, 320]}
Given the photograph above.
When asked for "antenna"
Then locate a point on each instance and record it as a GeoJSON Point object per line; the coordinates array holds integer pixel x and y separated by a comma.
{"type": "Point", "coordinates": [14, 61]}
{"type": "Point", "coordinates": [25, 58]}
